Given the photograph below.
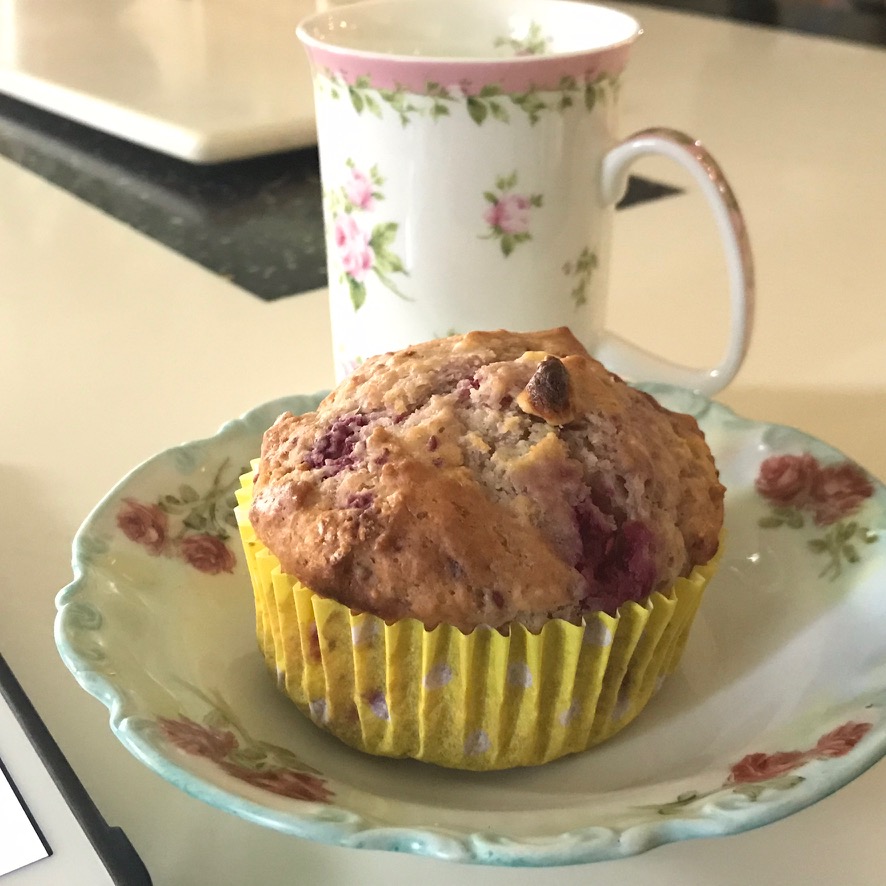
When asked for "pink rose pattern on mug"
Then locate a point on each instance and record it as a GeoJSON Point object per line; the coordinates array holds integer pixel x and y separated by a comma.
{"type": "Point", "coordinates": [360, 250]}
{"type": "Point", "coordinates": [508, 215]}
{"type": "Point", "coordinates": [362, 245]}
{"type": "Point", "coordinates": [515, 104]}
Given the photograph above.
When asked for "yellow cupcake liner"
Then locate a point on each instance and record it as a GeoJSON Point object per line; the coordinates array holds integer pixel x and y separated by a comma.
{"type": "Point", "coordinates": [478, 701]}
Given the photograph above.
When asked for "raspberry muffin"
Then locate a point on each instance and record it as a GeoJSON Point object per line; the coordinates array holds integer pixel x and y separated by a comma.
{"type": "Point", "coordinates": [509, 530]}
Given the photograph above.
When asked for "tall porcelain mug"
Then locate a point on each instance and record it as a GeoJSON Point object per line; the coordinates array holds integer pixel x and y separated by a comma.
{"type": "Point", "coordinates": [470, 169]}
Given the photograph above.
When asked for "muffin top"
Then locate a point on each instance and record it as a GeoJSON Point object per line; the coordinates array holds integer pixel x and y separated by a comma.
{"type": "Point", "coordinates": [485, 479]}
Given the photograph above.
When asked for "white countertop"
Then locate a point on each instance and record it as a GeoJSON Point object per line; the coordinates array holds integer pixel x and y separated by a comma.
{"type": "Point", "coordinates": [112, 347]}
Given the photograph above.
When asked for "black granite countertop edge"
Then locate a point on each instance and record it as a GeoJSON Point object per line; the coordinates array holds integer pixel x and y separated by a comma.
{"type": "Point", "coordinates": [257, 222]}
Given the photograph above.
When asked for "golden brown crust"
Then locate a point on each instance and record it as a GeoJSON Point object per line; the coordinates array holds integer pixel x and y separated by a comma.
{"type": "Point", "coordinates": [486, 479]}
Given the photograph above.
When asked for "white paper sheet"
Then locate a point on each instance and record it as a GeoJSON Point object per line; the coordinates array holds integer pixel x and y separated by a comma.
{"type": "Point", "coordinates": [20, 843]}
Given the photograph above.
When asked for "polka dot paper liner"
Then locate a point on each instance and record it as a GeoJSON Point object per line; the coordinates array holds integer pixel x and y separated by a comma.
{"type": "Point", "coordinates": [477, 701]}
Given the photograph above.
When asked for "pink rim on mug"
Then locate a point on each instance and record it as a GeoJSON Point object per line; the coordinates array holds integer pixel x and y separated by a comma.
{"type": "Point", "coordinates": [404, 45]}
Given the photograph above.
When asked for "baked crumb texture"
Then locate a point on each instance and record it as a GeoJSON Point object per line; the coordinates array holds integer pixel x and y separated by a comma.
{"type": "Point", "coordinates": [487, 479]}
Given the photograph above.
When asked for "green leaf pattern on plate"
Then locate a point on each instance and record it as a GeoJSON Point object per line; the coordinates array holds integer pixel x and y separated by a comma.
{"type": "Point", "coordinates": [191, 525]}
{"type": "Point", "coordinates": [221, 737]}
{"type": "Point", "coordinates": [802, 493]}
{"type": "Point", "coordinates": [758, 772]}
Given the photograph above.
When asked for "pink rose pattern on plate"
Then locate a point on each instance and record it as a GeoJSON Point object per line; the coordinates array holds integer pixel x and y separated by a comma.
{"type": "Point", "coordinates": [757, 772]}
{"type": "Point", "coordinates": [798, 488]}
{"type": "Point", "coordinates": [189, 526]}
{"type": "Point", "coordinates": [508, 213]}
{"type": "Point", "coordinates": [221, 738]}
{"type": "Point", "coordinates": [361, 246]}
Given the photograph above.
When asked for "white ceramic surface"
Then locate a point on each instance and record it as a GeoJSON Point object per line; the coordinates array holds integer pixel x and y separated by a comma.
{"type": "Point", "coordinates": [777, 703]}
{"type": "Point", "coordinates": [203, 80]}
{"type": "Point", "coordinates": [471, 165]}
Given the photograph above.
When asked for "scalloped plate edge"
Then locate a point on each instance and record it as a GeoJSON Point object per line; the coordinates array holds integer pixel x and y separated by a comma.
{"type": "Point", "coordinates": [596, 843]}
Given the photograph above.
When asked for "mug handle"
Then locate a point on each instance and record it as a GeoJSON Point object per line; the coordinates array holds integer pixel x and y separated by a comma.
{"type": "Point", "coordinates": [631, 360]}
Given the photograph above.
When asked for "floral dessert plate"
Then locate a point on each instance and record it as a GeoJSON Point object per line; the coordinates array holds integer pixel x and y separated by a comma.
{"type": "Point", "coordinates": [778, 701]}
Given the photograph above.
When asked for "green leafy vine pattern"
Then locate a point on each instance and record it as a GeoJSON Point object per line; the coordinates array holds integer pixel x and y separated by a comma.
{"type": "Point", "coordinates": [534, 43]}
{"type": "Point", "coordinates": [490, 102]}
{"type": "Point", "coordinates": [759, 772]}
{"type": "Point", "coordinates": [581, 270]}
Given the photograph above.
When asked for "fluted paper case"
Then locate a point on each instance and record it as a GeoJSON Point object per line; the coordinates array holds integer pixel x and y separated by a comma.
{"type": "Point", "coordinates": [477, 701]}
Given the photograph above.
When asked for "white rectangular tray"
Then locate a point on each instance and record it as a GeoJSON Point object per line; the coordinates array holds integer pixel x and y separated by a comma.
{"type": "Point", "coordinates": [202, 80]}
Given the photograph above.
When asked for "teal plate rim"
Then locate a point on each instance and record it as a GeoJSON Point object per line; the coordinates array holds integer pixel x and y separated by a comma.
{"type": "Point", "coordinates": [720, 814]}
